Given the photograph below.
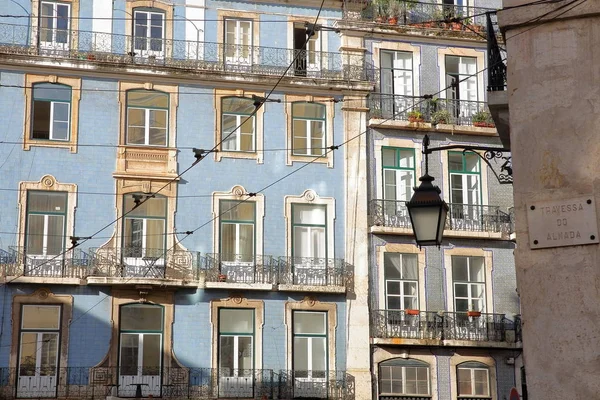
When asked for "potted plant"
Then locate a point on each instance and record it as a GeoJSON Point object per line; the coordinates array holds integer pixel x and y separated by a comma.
{"type": "Point", "coordinates": [411, 311]}
{"type": "Point", "coordinates": [415, 116]}
{"type": "Point", "coordinates": [380, 9]}
{"type": "Point", "coordinates": [483, 119]}
{"type": "Point", "coordinates": [91, 57]}
{"type": "Point", "coordinates": [441, 117]}
{"type": "Point", "coordinates": [394, 10]}
{"type": "Point", "coordinates": [222, 278]}
{"type": "Point", "coordinates": [474, 314]}
{"type": "Point", "coordinates": [376, 113]}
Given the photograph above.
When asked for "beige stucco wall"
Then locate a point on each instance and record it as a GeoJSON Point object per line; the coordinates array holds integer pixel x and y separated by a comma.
{"type": "Point", "coordinates": [554, 103]}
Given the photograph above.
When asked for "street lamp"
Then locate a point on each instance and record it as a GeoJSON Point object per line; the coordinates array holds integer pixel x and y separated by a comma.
{"type": "Point", "coordinates": [427, 210]}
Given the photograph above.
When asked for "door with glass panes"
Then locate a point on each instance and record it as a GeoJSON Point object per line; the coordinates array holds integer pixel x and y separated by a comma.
{"type": "Point", "coordinates": [149, 31]}
{"type": "Point", "coordinates": [309, 241]}
{"type": "Point", "coordinates": [307, 50]}
{"type": "Point", "coordinates": [236, 352]}
{"type": "Point", "coordinates": [398, 182]}
{"type": "Point", "coordinates": [144, 237]}
{"type": "Point", "coordinates": [54, 25]}
{"type": "Point", "coordinates": [461, 78]}
{"type": "Point", "coordinates": [39, 341]}
{"type": "Point", "coordinates": [238, 42]}
{"type": "Point", "coordinates": [466, 212]}
{"type": "Point", "coordinates": [140, 349]}
{"type": "Point", "coordinates": [309, 354]}
{"type": "Point", "coordinates": [397, 89]}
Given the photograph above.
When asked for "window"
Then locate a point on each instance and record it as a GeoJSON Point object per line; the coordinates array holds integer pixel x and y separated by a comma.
{"type": "Point", "coordinates": [238, 41]}
{"type": "Point", "coordinates": [309, 129]}
{"type": "Point", "coordinates": [147, 118]}
{"type": "Point", "coordinates": [306, 50]}
{"type": "Point", "coordinates": [398, 181]}
{"type": "Point", "coordinates": [473, 380]}
{"type": "Point", "coordinates": [46, 223]}
{"type": "Point", "coordinates": [141, 342]}
{"type": "Point", "coordinates": [309, 345]}
{"type": "Point", "coordinates": [237, 111]}
{"type": "Point", "coordinates": [465, 190]}
{"type": "Point", "coordinates": [54, 25]}
{"type": "Point", "coordinates": [397, 86]}
{"type": "Point", "coordinates": [309, 231]}
{"type": "Point", "coordinates": [144, 236]}
{"type": "Point", "coordinates": [51, 110]}
{"type": "Point", "coordinates": [404, 377]}
{"type": "Point", "coordinates": [38, 350]}
{"type": "Point", "coordinates": [149, 33]}
{"type": "Point", "coordinates": [462, 97]}
{"type": "Point", "coordinates": [401, 274]}
{"type": "Point", "coordinates": [468, 276]}
{"type": "Point", "coordinates": [236, 352]}
{"type": "Point", "coordinates": [237, 230]}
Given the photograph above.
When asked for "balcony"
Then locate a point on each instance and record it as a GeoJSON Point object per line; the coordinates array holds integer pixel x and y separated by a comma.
{"type": "Point", "coordinates": [114, 49]}
{"type": "Point", "coordinates": [445, 328]}
{"type": "Point", "coordinates": [430, 15]}
{"type": "Point", "coordinates": [177, 383]}
{"type": "Point", "coordinates": [497, 93]}
{"type": "Point", "coordinates": [135, 264]}
{"type": "Point", "coordinates": [22, 266]}
{"type": "Point", "coordinates": [310, 274]}
{"type": "Point", "coordinates": [240, 271]}
{"type": "Point", "coordinates": [436, 114]}
{"type": "Point", "coordinates": [391, 216]}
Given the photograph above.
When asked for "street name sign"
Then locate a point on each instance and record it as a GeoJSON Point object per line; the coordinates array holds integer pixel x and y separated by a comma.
{"type": "Point", "coordinates": [569, 222]}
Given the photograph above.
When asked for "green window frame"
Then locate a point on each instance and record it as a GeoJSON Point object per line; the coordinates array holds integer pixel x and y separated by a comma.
{"type": "Point", "coordinates": [46, 223]}
{"type": "Point", "coordinates": [465, 178]}
{"type": "Point", "coordinates": [133, 338]}
{"type": "Point", "coordinates": [234, 228]}
{"type": "Point", "coordinates": [232, 338]}
{"type": "Point", "coordinates": [398, 163]}
{"type": "Point", "coordinates": [308, 231]}
{"type": "Point", "coordinates": [144, 227]}
{"type": "Point", "coordinates": [312, 343]}
{"type": "Point", "coordinates": [238, 111]}
{"type": "Point", "coordinates": [309, 129]}
{"type": "Point", "coordinates": [473, 380]}
{"type": "Point", "coordinates": [51, 112]}
{"type": "Point", "coordinates": [404, 377]}
{"type": "Point", "coordinates": [469, 283]}
{"type": "Point", "coordinates": [147, 121]}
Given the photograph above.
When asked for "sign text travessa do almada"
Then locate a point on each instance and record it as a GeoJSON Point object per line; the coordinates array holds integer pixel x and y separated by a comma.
{"type": "Point", "coordinates": [569, 222]}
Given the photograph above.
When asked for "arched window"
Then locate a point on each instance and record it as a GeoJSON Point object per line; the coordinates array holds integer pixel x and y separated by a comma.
{"type": "Point", "coordinates": [51, 111]}
{"type": "Point", "coordinates": [407, 377]}
{"type": "Point", "coordinates": [235, 111]}
{"type": "Point", "coordinates": [473, 380]}
{"type": "Point", "coordinates": [147, 118]}
{"type": "Point", "coordinates": [308, 129]}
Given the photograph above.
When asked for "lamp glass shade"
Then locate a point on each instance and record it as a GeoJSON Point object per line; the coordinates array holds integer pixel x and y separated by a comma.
{"type": "Point", "coordinates": [428, 223]}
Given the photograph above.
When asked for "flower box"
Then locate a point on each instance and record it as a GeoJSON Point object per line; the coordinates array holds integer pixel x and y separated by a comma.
{"type": "Point", "coordinates": [411, 311]}
{"type": "Point", "coordinates": [474, 313]}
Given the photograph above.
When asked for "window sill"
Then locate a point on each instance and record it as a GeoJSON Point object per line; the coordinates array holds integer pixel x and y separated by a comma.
{"type": "Point", "coordinates": [326, 159]}
{"type": "Point", "coordinates": [68, 144]}
{"type": "Point", "coordinates": [245, 155]}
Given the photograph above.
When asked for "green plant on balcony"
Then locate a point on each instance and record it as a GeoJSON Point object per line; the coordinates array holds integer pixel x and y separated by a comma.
{"type": "Point", "coordinates": [483, 119]}
{"type": "Point", "coordinates": [394, 12]}
{"type": "Point", "coordinates": [415, 116]}
{"type": "Point", "coordinates": [381, 10]}
{"type": "Point", "coordinates": [376, 113]}
{"type": "Point", "coordinates": [441, 117]}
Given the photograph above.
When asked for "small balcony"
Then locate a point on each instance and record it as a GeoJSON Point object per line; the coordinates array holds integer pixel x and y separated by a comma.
{"type": "Point", "coordinates": [314, 274]}
{"type": "Point", "coordinates": [127, 50]}
{"type": "Point", "coordinates": [133, 264]}
{"type": "Point", "coordinates": [444, 326]}
{"type": "Point", "coordinates": [418, 14]}
{"type": "Point", "coordinates": [436, 114]}
{"type": "Point", "coordinates": [316, 385]}
{"type": "Point", "coordinates": [70, 267]}
{"type": "Point", "coordinates": [391, 216]}
{"type": "Point", "coordinates": [240, 271]}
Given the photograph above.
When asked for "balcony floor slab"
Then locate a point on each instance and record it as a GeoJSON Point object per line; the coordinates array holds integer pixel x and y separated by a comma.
{"type": "Point", "coordinates": [312, 288]}
{"type": "Point", "coordinates": [240, 286]}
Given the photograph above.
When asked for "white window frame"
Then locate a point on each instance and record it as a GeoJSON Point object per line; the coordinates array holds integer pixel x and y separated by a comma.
{"type": "Point", "coordinates": [237, 134]}
{"type": "Point", "coordinates": [471, 285]}
{"type": "Point", "coordinates": [404, 381]}
{"type": "Point", "coordinates": [309, 150]}
{"type": "Point", "coordinates": [472, 381]}
{"type": "Point", "coordinates": [403, 296]}
{"type": "Point", "coordinates": [146, 125]}
{"type": "Point", "coordinates": [53, 44]}
{"type": "Point", "coordinates": [238, 46]}
{"type": "Point", "coordinates": [148, 52]}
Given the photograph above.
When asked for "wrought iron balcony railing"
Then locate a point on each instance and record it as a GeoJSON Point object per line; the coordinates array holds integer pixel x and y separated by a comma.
{"type": "Point", "coordinates": [435, 111]}
{"type": "Point", "coordinates": [312, 271]}
{"type": "Point", "coordinates": [240, 268]}
{"type": "Point", "coordinates": [17, 261]}
{"type": "Point", "coordinates": [138, 262]}
{"type": "Point", "coordinates": [425, 14]}
{"type": "Point", "coordinates": [316, 385]}
{"type": "Point", "coordinates": [473, 326]}
{"type": "Point", "coordinates": [496, 57]}
{"type": "Point", "coordinates": [189, 55]}
{"type": "Point", "coordinates": [461, 217]}
{"type": "Point", "coordinates": [173, 383]}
